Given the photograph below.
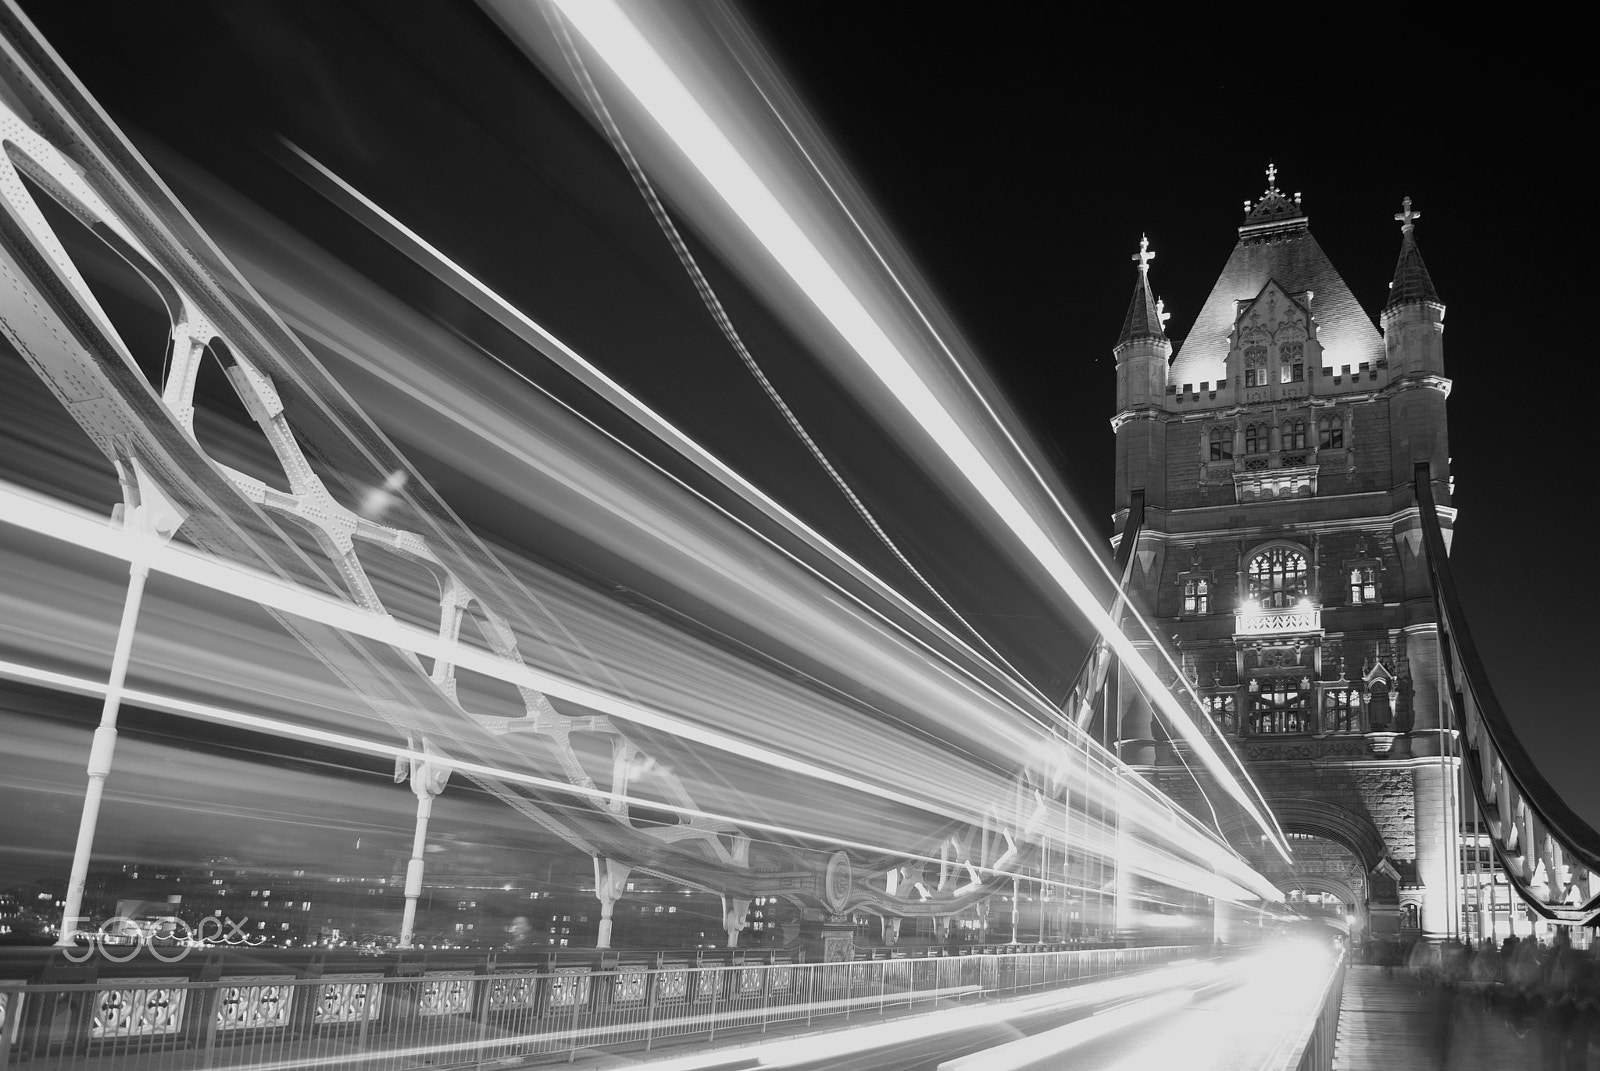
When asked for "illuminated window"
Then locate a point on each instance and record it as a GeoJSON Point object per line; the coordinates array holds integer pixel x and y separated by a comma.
{"type": "Point", "coordinates": [1223, 709]}
{"type": "Point", "coordinates": [1330, 433]}
{"type": "Point", "coordinates": [1341, 710]}
{"type": "Point", "coordinates": [1221, 444]}
{"type": "Point", "coordinates": [1278, 707]}
{"type": "Point", "coordinates": [1291, 362]}
{"type": "Point", "coordinates": [1255, 366]}
{"type": "Point", "coordinates": [1196, 595]}
{"type": "Point", "coordinates": [1363, 584]}
{"type": "Point", "coordinates": [1294, 435]}
{"type": "Point", "coordinates": [1277, 577]}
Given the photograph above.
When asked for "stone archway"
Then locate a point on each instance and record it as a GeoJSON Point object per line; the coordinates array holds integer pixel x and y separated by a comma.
{"type": "Point", "coordinates": [1368, 879]}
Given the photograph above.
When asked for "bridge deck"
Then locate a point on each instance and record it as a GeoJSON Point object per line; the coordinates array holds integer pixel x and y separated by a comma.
{"type": "Point", "coordinates": [1393, 1022]}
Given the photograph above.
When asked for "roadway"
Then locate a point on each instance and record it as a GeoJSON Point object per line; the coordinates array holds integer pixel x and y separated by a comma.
{"type": "Point", "coordinates": [1237, 1015]}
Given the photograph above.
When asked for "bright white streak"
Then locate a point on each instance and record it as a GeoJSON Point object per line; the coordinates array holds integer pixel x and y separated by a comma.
{"type": "Point", "coordinates": [1051, 1044]}
{"type": "Point", "coordinates": [275, 727]}
{"type": "Point", "coordinates": [443, 267]}
{"type": "Point", "coordinates": [381, 220]}
{"type": "Point", "coordinates": [659, 91]}
{"type": "Point", "coordinates": [37, 514]}
{"type": "Point", "coordinates": [911, 1028]}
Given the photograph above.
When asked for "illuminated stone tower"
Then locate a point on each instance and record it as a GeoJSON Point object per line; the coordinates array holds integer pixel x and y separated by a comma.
{"type": "Point", "coordinates": [1281, 549]}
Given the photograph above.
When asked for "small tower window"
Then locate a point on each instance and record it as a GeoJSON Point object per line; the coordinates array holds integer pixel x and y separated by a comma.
{"type": "Point", "coordinates": [1341, 710]}
{"type": "Point", "coordinates": [1196, 596]}
{"type": "Point", "coordinates": [1330, 433]}
{"type": "Point", "coordinates": [1224, 711]}
{"type": "Point", "coordinates": [1255, 439]}
{"type": "Point", "coordinates": [1294, 434]}
{"type": "Point", "coordinates": [1277, 577]}
{"type": "Point", "coordinates": [1221, 444]}
{"type": "Point", "coordinates": [1363, 584]}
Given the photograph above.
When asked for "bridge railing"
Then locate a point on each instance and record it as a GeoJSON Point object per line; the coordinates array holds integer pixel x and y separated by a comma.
{"type": "Point", "coordinates": [1551, 856]}
{"type": "Point", "coordinates": [467, 1018]}
{"type": "Point", "coordinates": [1313, 1049]}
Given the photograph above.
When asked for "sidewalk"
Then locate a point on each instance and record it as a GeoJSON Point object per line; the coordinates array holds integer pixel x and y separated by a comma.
{"type": "Point", "coordinates": [1392, 1022]}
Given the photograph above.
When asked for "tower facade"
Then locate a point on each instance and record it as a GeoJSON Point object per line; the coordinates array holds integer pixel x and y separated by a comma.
{"type": "Point", "coordinates": [1276, 454]}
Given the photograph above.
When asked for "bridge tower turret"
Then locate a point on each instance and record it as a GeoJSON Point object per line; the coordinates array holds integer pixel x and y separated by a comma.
{"type": "Point", "coordinates": [1142, 352]}
{"type": "Point", "coordinates": [1281, 549]}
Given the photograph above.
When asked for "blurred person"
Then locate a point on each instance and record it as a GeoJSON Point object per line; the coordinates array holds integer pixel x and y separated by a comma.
{"type": "Point", "coordinates": [1487, 975]}
{"type": "Point", "coordinates": [1560, 968]}
{"type": "Point", "coordinates": [1522, 985]}
{"type": "Point", "coordinates": [518, 933]}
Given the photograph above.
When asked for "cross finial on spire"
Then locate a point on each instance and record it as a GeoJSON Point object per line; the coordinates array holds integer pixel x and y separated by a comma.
{"type": "Point", "coordinates": [1161, 313]}
{"type": "Point", "coordinates": [1406, 215]}
{"type": "Point", "coordinates": [1144, 256]}
{"type": "Point", "coordinates": [1272, 176]}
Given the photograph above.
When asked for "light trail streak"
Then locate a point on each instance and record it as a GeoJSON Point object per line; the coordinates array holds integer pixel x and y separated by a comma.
{"type": "Point", "coordinates": [1041, 711]}
{"type": "Point", "coordinates": [447, 270]}
{"type": "Point", "coordinates": [28, 511]}
{"type": "Point", "coordinates": [997, 420]}
{"type": "Point", "coordinates": [278, 727]}
{"type": "Point", "coordinates": [23, 510]}
{"type": "Point", "coordinates": [636, 64]}
{"type": "Point", "coordinates": [1052, 1044]}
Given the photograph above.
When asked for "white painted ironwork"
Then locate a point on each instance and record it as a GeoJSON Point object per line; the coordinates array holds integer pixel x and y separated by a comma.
{"type": "Point", "coordinates": [145, 1008]}
{"type": "Point", "coordinates": [1289, 621]}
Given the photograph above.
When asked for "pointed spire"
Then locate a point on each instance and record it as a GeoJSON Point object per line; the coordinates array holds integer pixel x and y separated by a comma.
{"type": "Point", "coordinates": [1145, 315]}
{"type": "Point", "coordinates": [1412, 285]}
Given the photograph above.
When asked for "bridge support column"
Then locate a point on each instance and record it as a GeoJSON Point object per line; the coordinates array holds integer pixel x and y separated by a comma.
{"type": "Point", "coordinates": [826, 938]}
{"type": "Point", "coordinates": [428, 776]}
{"type": "Point", "coordinates": [734, 909]}
{"type": "Point", "coordinates": [1435, 809]}
{"type": "Point", "coordinates": [610, 882]}
{"type": "Point", "coordinates": [150, 519]}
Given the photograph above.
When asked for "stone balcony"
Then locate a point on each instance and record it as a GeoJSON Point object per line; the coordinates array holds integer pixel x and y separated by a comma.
{"type": "Point", "coordinates": [1291, 621]}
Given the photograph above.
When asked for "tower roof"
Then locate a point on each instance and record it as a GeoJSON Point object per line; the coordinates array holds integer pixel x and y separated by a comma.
{"type": "Point", "coordinates": [1144, 319]}
{"type": "Point", "coordinates": [1412, 285]}
{"type": "Point", "coordinates": [1275, 243]}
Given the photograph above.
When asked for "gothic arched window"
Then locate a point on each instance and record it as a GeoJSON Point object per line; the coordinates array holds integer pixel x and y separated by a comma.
{"type": "Point", "coordinates": [1363, 584]}
{"type": "Point", "coordinates": [1255, 438]}
{"type": "Point", "coordinates": [1255, 366]}
{"type": "Point", "coordinates": [1221, 444]}
{"type": "Point", "coordinates": [1294, 435]}
{"type": "Point", "coordinates": [1280, 706]}
{"type": "Point", "coordinates": [1341, 710]}
{"type": "Point", "coordinates": [1291, 362]}
{"type": "Point", "coordinates": [1277, 577]}
{"type": "Point", "coordinates": [1330, 433]}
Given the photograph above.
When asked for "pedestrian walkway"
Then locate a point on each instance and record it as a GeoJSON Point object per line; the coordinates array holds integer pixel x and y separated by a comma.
{"type": "Point", "coordinates": [1390, 1022]}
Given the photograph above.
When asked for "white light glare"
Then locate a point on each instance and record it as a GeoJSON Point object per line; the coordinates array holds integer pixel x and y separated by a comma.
{"type": "Point", "coordinates": [653, 84]}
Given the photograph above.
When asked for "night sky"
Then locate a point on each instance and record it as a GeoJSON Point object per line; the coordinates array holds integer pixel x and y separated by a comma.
{"type": "Point", "coordinates": [1019, 163]}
